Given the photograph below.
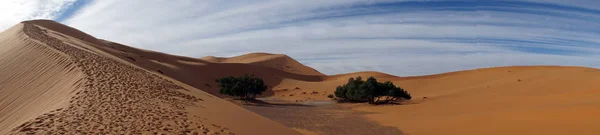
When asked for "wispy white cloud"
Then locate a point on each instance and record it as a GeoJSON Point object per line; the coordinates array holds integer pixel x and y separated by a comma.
{"type": "Point", "coordinates": [15, 11]}
{"type": "Point", "coordinates": [406, 37]}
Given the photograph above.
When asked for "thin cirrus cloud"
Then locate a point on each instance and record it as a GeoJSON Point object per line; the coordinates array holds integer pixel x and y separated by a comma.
{"type": "Point", "coordinates": [406, 37]}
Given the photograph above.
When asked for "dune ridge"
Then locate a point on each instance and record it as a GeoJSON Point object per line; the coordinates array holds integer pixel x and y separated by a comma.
{"type": "Point", "coordinates": [93, 105]}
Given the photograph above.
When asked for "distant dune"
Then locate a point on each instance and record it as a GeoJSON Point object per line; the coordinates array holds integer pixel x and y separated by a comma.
{"type": "Point", "coordinates": [277, 61]}
{"type": "Point", "coordinates": [57, 79]}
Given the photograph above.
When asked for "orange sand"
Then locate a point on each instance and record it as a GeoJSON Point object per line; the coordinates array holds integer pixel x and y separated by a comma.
{"type": "Point", "coordinates": [506, 100]}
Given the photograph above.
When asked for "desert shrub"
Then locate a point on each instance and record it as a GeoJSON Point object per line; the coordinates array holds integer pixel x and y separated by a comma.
{"type": "Point", "coordinates": [330, 96]}
{"type": "Point", "coordinates": [245, 87]}
{"type": "Point", "coordinates": [357, 90]}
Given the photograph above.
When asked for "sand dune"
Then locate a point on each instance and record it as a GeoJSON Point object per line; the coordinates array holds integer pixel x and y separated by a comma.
{"type": "Point", "coordinates": [277, 61]}
{"type": "Point", "coordinates": [56, 81]}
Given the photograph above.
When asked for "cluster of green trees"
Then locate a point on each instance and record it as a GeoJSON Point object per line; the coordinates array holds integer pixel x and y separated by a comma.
{"type": "Point", "coordinates": [245, 87]}
{"type": "Point", "coordinates": [358, 90]}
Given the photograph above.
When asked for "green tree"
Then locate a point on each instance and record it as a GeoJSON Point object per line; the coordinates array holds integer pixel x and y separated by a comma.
{"type": "Point", "coordinates": [245, 87]}
{"type": "Point", "coordinates": [357, 90]}
{"type": "Point", "coordinates": [371, 89]}
{"type": "Point", "coordinates": [340, 92]}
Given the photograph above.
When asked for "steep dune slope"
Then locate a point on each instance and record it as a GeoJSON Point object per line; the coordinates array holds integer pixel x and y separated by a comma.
{"type": "Point", "coordinates": [53, 82]}
{"type": "Point", "coordinates": [35, 79]}
{"type": "Point", "coordinates": [504, 100]}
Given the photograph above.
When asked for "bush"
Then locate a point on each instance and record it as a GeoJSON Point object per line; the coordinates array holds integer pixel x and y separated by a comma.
{"type": "Point", "coordinates": [357, 90]}
{"type": "Point", "coordinates": [245, 87]}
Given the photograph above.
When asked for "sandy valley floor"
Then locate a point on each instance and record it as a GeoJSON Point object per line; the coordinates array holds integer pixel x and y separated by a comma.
{"type": "Point", "coordinates": [320, 117]}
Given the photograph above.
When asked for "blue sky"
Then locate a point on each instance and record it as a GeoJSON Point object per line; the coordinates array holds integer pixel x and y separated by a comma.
{"type": "Point", "coordinates": [401, 37]}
